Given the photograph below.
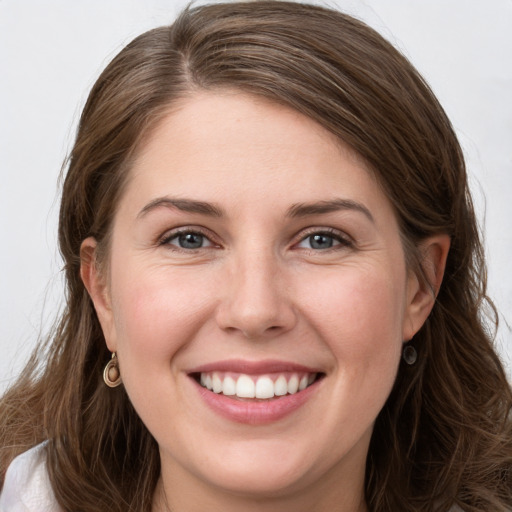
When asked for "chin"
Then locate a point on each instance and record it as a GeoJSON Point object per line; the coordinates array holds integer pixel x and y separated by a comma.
{"type": "Point", "coordinates": [262, 469]}
{"type": "Point", "coordinates": [259, 482]}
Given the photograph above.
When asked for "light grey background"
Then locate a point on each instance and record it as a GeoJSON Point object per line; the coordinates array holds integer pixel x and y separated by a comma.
{"type": "Point", "coordinates": [52, 51]}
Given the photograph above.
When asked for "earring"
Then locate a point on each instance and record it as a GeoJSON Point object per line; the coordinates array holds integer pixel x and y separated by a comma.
{"type": "Point", "coordinates": [409, 355]}
{"type": "Point", "coordinates": [111, 374]}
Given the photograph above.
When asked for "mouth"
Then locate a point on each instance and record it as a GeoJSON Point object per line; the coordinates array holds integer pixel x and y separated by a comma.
{"type": "Point", "coordinates": [256, 392]}
{"type": "Point", "coordinates": [256, 387]}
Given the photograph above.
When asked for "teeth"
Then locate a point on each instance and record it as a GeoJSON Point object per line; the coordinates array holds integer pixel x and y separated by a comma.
{"type": "Point", "coordinates": [216, 383]}
{"type": "Point", "coordinates": [281, 386]}
{"type": "Point", "coordinates": [229, 386]}
{"type": "Point", "coordinates": [245, 387]}
{"type": "Point", "coordinates": [263, 387]}
{"type": "Point", "coordinates": [293, 385]}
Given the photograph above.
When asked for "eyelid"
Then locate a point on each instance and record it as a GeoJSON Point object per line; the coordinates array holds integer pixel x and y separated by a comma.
{"type": "Point", "coordinates": [342, 237]}
{"type": "Point", "coordinates": [175, 232]}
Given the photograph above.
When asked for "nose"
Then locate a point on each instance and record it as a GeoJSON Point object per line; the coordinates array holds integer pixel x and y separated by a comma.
{"type": "Point", "coordinates": [256, 301]}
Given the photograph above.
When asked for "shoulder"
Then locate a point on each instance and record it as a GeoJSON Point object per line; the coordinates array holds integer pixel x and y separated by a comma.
{"type": "Point", "coordinates": [27, 486]}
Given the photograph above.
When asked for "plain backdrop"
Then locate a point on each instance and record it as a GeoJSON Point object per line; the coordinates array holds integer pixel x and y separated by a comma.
{"type": "Point", "coordinates": [52, 51]}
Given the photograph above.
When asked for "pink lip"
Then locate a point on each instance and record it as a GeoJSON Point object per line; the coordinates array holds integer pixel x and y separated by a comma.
{"type": "Point", "coordinates": [253, 412]}
{"type": "Point", "coordinates": [253, 367]}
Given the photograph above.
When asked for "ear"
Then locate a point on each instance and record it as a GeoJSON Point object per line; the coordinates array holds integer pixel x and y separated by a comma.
{"type": "Point", "coordinates": [96, 284]}
{"type": "Point", "coordinates": [422, 293]}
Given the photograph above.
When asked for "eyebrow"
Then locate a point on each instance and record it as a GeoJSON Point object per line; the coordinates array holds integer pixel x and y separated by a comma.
{"type": "Point", "coordinates": [296, 210]}
{"type": "Point", "coordinates": [185, 205]}
{"type": "Point", "coordinates": [322, 207]}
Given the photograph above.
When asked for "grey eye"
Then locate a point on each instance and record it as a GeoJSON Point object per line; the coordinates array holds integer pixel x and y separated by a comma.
{"type": "Point", "coordinates": [190, 240]}
{"type": "Point", "coordinates": [320, 241]}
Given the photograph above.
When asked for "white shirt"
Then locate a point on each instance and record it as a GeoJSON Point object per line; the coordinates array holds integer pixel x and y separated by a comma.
{"type": "Point", "coordinates": [27, 486]}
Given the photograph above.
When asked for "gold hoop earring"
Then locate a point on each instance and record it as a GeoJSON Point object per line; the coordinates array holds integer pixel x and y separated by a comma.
{"type": "Point", "coordinates": [111, 374]}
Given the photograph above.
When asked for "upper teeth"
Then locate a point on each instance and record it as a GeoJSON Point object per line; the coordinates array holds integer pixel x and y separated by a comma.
{"type": "Point", "coordinates": [264, 386]}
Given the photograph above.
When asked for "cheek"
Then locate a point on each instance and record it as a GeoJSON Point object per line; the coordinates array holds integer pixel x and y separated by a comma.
{"type": "Point", "coordinates": [155, 312]}
{"type": "Point", "coordinates": [359, 316]}
{"type": "Point", "coordinates": [362, 310]}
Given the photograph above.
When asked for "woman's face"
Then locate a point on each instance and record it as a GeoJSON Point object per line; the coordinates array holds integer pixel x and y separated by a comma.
{"type": "Point", "coordinates": [254, 255]}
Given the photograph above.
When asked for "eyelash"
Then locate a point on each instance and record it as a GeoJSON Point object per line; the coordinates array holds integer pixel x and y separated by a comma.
{"type": "Point", "coordinates": [343, 240]}
{"type": "Point", "coordinates": [175, 234]}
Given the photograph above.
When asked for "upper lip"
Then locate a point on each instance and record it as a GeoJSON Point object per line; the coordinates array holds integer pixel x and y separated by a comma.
{"type": "Point", "coordinates": [253, 367]}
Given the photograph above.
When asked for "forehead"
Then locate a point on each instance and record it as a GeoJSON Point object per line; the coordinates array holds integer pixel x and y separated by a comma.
{"type": "Point", "coordinates": [229, 119]}
{"type": "Point", "coordinates": [233, 146]}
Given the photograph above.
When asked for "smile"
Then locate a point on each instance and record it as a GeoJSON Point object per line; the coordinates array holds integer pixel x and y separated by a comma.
{"type": "Point", "coordinates": [255, 393]}
{"type": "Point", "coordinates": [256, 386]}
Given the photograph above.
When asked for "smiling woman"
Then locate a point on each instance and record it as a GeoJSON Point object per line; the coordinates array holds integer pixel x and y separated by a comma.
{"type": "Point", "coordinates": [274, 286]}
{"type": "Point", "coordinates": [210, 315]}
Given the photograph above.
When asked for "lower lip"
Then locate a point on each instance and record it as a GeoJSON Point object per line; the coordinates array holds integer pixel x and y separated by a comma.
{"type": "Point", "coordinates": [257, 412]}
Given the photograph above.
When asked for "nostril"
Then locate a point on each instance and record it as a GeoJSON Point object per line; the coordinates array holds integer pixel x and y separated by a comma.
{"type": "Point", "coordinates": [255, 319]}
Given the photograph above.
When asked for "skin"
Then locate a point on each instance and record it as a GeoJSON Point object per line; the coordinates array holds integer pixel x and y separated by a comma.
{"type": "Point", "coordinates": [257, 290]}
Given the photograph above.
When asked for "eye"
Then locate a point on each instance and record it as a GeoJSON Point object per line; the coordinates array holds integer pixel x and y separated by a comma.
{"type": "Point", "coordinates": [187, 240]}
{"type": "Point", "coordinates": [321, 240]}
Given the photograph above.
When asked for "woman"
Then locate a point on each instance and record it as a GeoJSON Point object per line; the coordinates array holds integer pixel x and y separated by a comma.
{"type": "Point", "coordinates": [275, 286]}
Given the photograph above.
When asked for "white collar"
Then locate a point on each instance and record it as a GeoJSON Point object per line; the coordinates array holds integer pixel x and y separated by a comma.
{"type": "Point", "coordinates": [27, 487]}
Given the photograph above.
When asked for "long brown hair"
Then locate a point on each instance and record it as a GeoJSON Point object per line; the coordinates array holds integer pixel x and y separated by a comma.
{"type": "Point", "coordinates": [444, 436]}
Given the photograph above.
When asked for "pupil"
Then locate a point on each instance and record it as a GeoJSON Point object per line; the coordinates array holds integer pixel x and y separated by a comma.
{"type": "Point", "coordinates": [191, 241]}
{"type": "Point", "coordinates": [321, 242]}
